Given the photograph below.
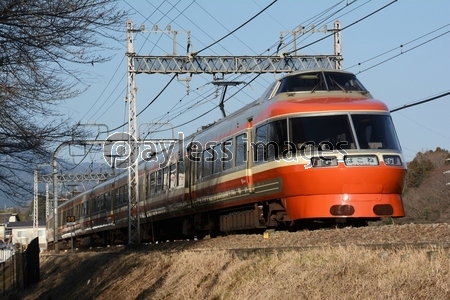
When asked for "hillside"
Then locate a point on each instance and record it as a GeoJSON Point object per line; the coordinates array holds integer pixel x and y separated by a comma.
{"type": "Point", "coordinates": [426, 196]}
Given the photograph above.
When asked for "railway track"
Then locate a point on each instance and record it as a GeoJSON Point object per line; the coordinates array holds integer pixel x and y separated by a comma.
{"type": "Point", "coordinates": [429, 237]}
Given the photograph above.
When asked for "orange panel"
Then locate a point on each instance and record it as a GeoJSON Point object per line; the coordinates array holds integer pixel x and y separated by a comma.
{"type": "Point", "coordinates": [318, 206]}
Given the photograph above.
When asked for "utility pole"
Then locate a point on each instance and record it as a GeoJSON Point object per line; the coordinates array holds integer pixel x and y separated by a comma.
{"type": "Point", "coordinates": [337, 44]}
{"type": "Point", "coordinates": [134, 234]}
{"type": "Point", "coordinates": [47, 201]}
{"type": "Point", "coordinates": [35, 204]}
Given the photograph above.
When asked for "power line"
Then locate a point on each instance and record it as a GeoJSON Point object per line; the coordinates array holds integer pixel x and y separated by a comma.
{"type": "Point", "coordinates": [151, 102]}
{"type": "Point", "coordinates": [406, 51]}
{"type": "Point", "coordinates": [210, 110]}
{"type": "Point", "coordinates": [348, 26]}
{"type": "Point", "coordinates": [230, 33]}
{"type": "Point", "coordinates": [420, 102]}
{"type": "Point", "coordinates": [114, 74]}
{"type": "Point", "coordinates": [338, 17]}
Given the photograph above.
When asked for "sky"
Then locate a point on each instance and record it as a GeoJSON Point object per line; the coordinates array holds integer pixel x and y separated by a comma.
{"type": "Point", "coordinates": [401, 54]}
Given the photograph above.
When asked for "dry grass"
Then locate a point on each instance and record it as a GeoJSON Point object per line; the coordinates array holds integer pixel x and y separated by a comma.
{"type": "Point", "coordinates": [336, 272]}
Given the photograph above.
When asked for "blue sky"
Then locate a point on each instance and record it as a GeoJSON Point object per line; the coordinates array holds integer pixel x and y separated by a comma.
{"type": "Point", "coordinates": [422, 71]}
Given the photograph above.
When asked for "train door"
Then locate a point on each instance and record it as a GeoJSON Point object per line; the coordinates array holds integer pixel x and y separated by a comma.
{"type": "Point", "coordinates": [249, 157]}
{"type": "Point", "coordinates": [113, 200]}
{"type": "Point", "coordinates": [192, 161]}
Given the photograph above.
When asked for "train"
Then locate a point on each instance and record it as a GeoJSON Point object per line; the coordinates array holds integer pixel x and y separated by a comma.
{"type": "Point", "coordinates": [315, 149]}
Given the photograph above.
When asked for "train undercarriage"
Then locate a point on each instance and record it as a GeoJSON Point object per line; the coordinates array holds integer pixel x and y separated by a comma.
{"type": "Point", "coordinates": [254, 218]}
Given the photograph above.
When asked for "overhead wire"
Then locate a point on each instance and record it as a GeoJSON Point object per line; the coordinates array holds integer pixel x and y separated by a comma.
{"type": "Point", "coordinates": [203, 114]}
{"type": "Point", "coordinates": [146, 18]}
{"type": "Point", "coordinates": [344, 28]}
{"type": "Point", "coordinates": [109, 82]}
{"type": "Point", "coordinates": [441, 95]}
{"type": "Point", "coordinates": [151, 102]}
{"type": "Point", "coordinates": [401, 46]}
{"type": "Point", "coordinates": [233, 31]}
{"type": "Point", "coordinates": [166, 84]}
{"type": "Point", "coordinates": [421, 101]}
{"type": "Point", "coordinates": [325, 19]}
{"type": "Point", "coordinates": [403, 52]}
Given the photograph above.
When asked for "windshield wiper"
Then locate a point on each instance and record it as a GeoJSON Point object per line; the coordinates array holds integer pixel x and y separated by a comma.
{"type": "Point", "coordinates": [334, 81]}
{"type": "Point", "coordinates": [317, 85]}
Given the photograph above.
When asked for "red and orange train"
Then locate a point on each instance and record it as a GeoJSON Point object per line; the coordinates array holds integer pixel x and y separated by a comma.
{"type": "Point", "coordinates": [315, 148]}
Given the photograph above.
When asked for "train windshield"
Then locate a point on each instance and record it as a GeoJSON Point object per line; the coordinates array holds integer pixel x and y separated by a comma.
{"type": "Point", "coordinates": [375, 132]}
{"type": "Point", "coordinates": [321, 81]}
{"type": "Point", "coordinates": [321, 130]}
{"type": "Point", "coordinates": [335, 132]}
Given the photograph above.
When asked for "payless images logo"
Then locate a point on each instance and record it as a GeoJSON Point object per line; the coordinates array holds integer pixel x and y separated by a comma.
{"type": "Point", "coordinates": [121, 150]}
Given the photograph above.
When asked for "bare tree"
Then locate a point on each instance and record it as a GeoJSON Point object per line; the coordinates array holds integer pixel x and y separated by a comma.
{"type": "Point", "coordinates": [42, 43]}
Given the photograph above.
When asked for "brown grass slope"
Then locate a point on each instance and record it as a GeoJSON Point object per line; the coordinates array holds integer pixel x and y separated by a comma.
{"type": "Point", "coordinates": [320, 273]}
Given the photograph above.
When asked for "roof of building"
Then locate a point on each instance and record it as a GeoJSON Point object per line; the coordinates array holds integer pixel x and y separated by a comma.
{"type": "Point", "coordinates": [25, 224]}
{"type": "Point", "coordinates": [4, 217]}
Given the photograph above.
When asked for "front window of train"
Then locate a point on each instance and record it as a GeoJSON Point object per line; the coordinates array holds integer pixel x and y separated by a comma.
{"type": "Point", "coordinates": [333, 132]}
{"type": "Point", "coordinates": [375, 132]}
{"type": "Point", "coordinates": [320, 81]}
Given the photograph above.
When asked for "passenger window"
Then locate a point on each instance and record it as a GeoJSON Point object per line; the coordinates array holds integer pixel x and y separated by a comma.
{"type": "Point", "coordinates": [217, 156]}
{"type": "Point", "coordinates": [227, 154]}
{"type": "Point", "coordinates": [85, 209]}
{"type": "Point", "coordinates": [121, 195]}
{"type": "Point", "coordinates": [260, 144]}
{"type": "Point", "coordinates": [277, 139]}
{"type": "Point", "coordinates": [165, 178]}
{"type": "Point", "coordinates": [241, 149]}
{"type": "Point", "coordinates": [199, 166]}
{"type": "Point", "coordinates": [173, 175]}
{"type": "Point", "coordinates": [207, 159]}
{"type": "Point", "coordinates": [152, 183]}
{"type": "Point", "coordinates": [159, 180]}
{"type": "Point", "coordinates": [302, 83]}
{"type": "Point", "coordinates": [181, 173]}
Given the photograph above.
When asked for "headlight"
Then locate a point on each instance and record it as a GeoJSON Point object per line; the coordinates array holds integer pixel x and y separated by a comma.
{"type": "Point", "coordinates": [324, 161]}
{"type": "Point", "coordinates": [392, 160]}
